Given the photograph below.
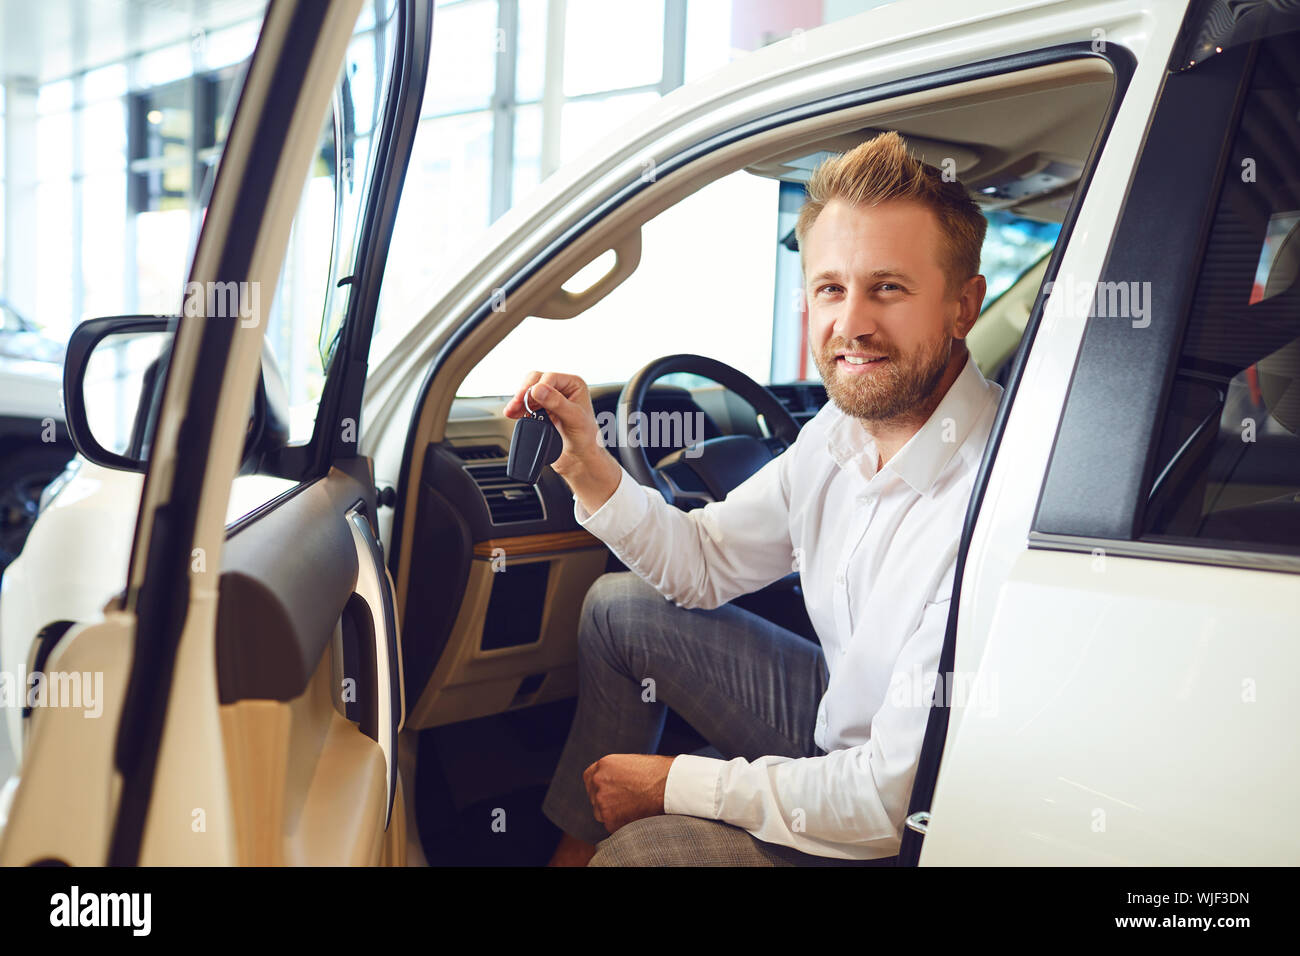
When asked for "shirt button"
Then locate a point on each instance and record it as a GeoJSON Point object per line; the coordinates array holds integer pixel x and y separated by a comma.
{"type": "Point", "coordinates": [840, 577]}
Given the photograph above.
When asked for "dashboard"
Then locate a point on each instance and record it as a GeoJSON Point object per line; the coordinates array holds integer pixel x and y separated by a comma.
{"type": "Point", "coordinates": [469, 466]}
{"type": "Point", "coordinates": [500, 569]}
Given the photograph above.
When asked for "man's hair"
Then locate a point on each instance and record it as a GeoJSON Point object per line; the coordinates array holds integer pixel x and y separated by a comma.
{"type": "Point", "coordinates": [880, 170]}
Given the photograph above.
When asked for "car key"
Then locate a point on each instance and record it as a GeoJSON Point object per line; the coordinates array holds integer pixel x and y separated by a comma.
{"type": "Point", "coordinates": [535, 444]}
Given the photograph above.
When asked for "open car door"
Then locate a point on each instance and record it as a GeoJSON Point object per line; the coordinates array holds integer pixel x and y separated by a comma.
{"type": "Point", "coordinates": [252, 689]}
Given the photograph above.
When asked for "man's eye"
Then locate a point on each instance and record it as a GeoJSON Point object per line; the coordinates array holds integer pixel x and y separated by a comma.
{"type": "Point", "coordinates": [889, 287]}
{"type": "Point", "coordinates": [831, 289]}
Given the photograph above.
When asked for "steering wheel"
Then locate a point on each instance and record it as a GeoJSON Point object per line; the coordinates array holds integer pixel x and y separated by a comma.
{"type": "Point", "coordinates": [706, 471]}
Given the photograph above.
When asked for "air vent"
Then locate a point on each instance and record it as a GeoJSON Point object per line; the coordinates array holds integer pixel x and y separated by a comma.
{"type": "Point", "coordinates": [508, 501]}
{"type": "Point", "coordinates": [478, 452]}
{"type": "Point", "coordinates": [802, 401]}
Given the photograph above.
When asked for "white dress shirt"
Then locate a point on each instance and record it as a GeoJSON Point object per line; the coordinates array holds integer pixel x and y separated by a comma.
{"type": "Point", "coordinates": [876, 551]}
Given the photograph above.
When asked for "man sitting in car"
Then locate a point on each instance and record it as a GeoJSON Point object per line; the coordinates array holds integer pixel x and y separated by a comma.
{"type": "Point", "coordinates": [821, 744]}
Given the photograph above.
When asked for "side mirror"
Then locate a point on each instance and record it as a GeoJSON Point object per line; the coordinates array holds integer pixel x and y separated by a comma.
{"type": "Point", "coordinates": [112, 381]}
{"type": "Point", "coordinates": [110, 372]}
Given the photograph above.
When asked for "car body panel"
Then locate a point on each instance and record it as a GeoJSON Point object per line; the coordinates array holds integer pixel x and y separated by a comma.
{"type": "Point", "coordinates": [76, 563]}
{"type": "Point", "coordinates": [31, 389]}
{"type": "Point", "coordinates": [1118, 739]}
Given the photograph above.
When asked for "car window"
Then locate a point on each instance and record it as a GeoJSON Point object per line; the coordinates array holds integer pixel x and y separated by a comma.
{"type": "Point", "coordinates": [310, 305]}
{"type": "Point", "coordinates": [1227, 468]}
{"type": "Point", "coordinates": [1012, 246]}
{"type": "Point", "coordinates": [311, 298]}
{"type": "Point", "coordinates": [704, 285]}
{"type": "Point", "coordinates": [719, 276]}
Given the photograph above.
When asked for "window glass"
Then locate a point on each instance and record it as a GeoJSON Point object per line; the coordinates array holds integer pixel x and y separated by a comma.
{"type": "Point", "coordinates": [704, 285]}
{"type": "Point", "coordinates": [530, 63]}
{"type": "Point", "coordinates": [298, 309]}
{"type": "Point", "coordinates": [462, 64]}
{"type": "Point", "coordinates": [597, 54]}
{"type": "Point", "coordinates": [527, 172]}
{"type": "Point", "coordinates": [444, 208]}
{"type": "Point", "coordinates": [1227, 469]}
{"type": "Point", "coordinates": [586, 121]}
{"type": "Point", "coordinates": [673, 303]}
{"type": "Point", "coordinates": [1012, 246]}
{"type": "Point", "coordinates": [312, 297]}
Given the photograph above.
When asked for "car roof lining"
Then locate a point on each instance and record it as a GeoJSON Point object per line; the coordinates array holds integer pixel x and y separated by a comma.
{"type": "Point", "coordinates": [989, 135]}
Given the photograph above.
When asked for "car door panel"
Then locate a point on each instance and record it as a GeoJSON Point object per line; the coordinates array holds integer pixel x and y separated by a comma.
{"type": "Point", "coordinates": [306, 655]}
{"type": "Point", "coordinates": [276, 616]}
{"type": "Point", "coordinates": [310, 675]}
{"type": "Point", "coordinates": [62, 811]}
{"type": "Point", "coordinates": [224, 738]}
{"type": "Point", "coordinates": [1076, 735]}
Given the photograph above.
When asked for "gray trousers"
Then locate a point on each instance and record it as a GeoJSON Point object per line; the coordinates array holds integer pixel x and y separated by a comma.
{"type": "Point", "coordinates": [750, 687]}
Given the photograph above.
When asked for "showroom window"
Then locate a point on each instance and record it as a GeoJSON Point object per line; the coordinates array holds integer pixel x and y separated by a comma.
{"type": "Point", "coordinates": [103, 162]}
{"type": "Point", "coordinates": [516, 88]}
{"type": "Point", "coordinates": [1228, 467]}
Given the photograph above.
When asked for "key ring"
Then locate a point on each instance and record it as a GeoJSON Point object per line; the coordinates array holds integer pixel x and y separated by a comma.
{"type": "Point", "coordinates": [526, 408]}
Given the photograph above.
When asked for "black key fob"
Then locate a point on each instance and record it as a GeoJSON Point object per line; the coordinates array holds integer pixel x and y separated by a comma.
{"type": "Point", "coordinates": [534, 445]}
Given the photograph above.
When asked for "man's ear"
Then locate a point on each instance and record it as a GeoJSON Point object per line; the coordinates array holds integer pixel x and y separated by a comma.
{"type": "Point", "coordinates": [970, 299]}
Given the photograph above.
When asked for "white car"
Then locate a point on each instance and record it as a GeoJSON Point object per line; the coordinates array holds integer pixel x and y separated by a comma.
{"type": "Point", "coordinates": [1127, 583]}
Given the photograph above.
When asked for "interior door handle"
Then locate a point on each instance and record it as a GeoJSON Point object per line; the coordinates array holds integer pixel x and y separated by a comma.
{"type": "Point", "coordinates": [375, 587]}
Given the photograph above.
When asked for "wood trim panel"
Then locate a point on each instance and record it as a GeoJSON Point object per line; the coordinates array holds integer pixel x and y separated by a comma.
{"type": "Point", "coordinates": [539, 543]}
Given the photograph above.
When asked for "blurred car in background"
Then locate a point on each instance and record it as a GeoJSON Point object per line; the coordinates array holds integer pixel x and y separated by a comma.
{"type": "Point", "coordinates": [34, 445]}
{"type": "Point", "coordinates": [22, 339]}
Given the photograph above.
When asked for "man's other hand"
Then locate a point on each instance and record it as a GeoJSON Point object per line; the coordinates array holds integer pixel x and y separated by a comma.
{"type": "Point", "coordinates": [627, 787]}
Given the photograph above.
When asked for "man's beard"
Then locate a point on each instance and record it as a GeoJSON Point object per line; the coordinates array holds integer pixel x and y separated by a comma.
{"type": "Point", "coordinates": [899, 389]}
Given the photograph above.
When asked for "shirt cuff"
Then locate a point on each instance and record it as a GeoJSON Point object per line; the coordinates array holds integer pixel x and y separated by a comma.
{"type": "Point", "coordinates": [620, 514]}
{"type": "Point", "coordinates": [693, 786]}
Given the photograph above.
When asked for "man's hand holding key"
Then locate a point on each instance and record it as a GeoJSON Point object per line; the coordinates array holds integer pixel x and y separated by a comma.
{"type": "Point", "coordinates": [590, 471]}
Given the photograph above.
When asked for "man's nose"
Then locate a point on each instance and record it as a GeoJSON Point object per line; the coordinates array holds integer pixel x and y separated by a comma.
{"type": "Point", "coordinates": [857, 317]}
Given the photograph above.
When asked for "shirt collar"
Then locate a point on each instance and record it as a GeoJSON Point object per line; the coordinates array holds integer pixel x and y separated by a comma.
{"type": "Point", "coordinates": [926, 454]}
